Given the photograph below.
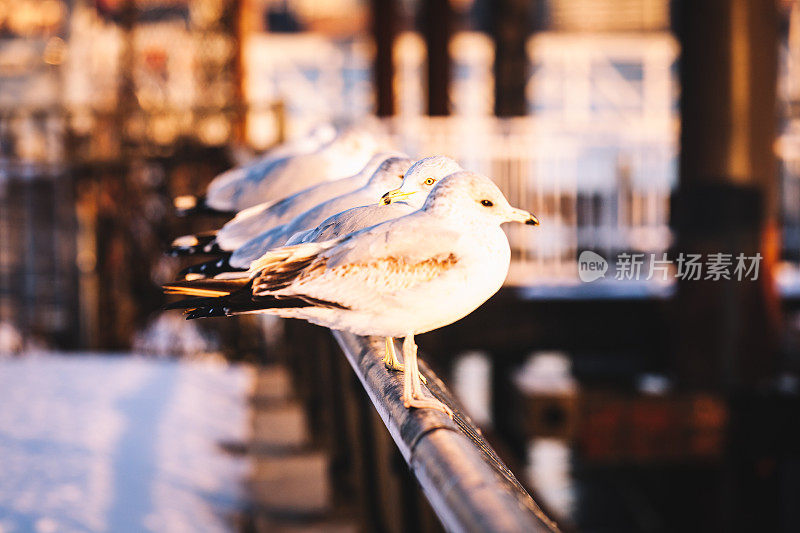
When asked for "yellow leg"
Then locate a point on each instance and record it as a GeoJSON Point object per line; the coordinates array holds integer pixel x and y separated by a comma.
{"type": "Point", "coordinates": [413, 395]}
{"type": "Point", "coordinates": [390, 359]}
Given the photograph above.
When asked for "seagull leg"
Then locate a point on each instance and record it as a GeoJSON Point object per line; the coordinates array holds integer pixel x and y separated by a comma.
{"type": "Point", "coordinates": [413, 395]}
{"type": "Point", "coordinates": [390, 359]}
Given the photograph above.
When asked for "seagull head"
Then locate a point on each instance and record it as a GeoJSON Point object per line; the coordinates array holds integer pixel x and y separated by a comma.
{"type": "Point", "coordinates": [356, 141]}
{"type": "Point", "coordinates": [390, 172]}
{"type": "Point", "coordinates": [322, 133]}
{"type": "Point", "coordinates": [378, 159]}
{"type": "Point", "coordinates": [420, 179]}
{"type": "Point", "coordinates": [468, 196]}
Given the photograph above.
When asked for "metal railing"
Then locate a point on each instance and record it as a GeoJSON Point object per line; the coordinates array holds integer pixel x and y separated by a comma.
{"type": "Point", "coordinates": [382, 454]}
{"type": "Point", "coordinates": [466, 483]}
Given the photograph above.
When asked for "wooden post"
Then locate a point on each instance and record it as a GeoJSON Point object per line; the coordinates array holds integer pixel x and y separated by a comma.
{"type": "Point", "coordinates": [244, 15]}
{"type": "Point", "coordinates": [437, 22]}
{"type": "Point", "coordinates": [506, 406]}
{"type": "Point", "coordinates": [727, 330]}
{"type": "Point", "coordinates": [511, 27]}
{"type": "Point", "coordinates": [384, 32]}
{"type": "Point", "coordinates": [126, 92]}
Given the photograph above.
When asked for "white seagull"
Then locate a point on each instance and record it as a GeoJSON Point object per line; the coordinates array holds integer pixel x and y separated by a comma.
{"type": "Point", "coordinates": [400, 278]}
{"type": "Point", "coordinates": [275, 179]}
{"type": "Point", "coordinates": [304, 144]}
{"type": "Point", "coordinates": [252, 221]}
{"type": "Point", "coordinates": [428, 170]}
{"type": "Point", "coordinates": [409, 197]}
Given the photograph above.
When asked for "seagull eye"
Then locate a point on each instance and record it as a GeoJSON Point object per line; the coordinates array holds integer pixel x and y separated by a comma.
{"type": "Point", "coordinates": [429, 181]}
{"type": "Point", "coordinates": [486, 203]}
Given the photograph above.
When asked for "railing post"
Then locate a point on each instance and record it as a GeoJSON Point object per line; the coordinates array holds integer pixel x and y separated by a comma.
{"type": "Point", "coordinates": [506, 405]}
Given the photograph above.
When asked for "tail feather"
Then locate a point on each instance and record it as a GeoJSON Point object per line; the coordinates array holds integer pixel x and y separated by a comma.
{"type": "Point", "coordinates": [200, 243]}
{"type": "Point", "coordinates": [206, 287]}
{"type": "Point", "coordinates": [203, 303]}
{"type": "Point", "coordinates": [212, 268]}
{"type": "Point", "coordinates": [278, 268]}
{"type": "Point", "coordinates": [289, 254]}
{"type": "Point", "coordinates": [249, 293]}
{"type": "Point", "coordinates": [211, 298]}
{"type": "Point", "coordinates": [237, 304]}
{"type": "Point", "coordinates": [193, 303]}
{"type": "Point", "coordinates": [205, 312]}
{"type": "Point", "coordinates": [233, 305]}
{"type": "Point", "coordinates": [189, 205]}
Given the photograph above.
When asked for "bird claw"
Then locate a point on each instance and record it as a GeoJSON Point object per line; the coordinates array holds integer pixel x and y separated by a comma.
{"type": "Point", "coordinates": [427, 403]}
{"type": "Point", "coordinates": [400, 367]}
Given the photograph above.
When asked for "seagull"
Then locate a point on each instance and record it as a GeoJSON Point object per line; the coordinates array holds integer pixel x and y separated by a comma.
{"type": "Point", "coordinates": [304, 144]}
{"type": "Point", "coordinates": [352, 220]}
{"type": "Point", "coordinates": [272, 180]}
{"type": "Point", "coordinates": [400, 278]}
{"type": "Point", "coordinates": [389, 174]}
{"type": "Point", "coordinates": [254, 220]}
{"type": "Point", "coordinates": [409, 197]}
{"type": "Point", "coordinates": [317, 136]}
{"type": "Point", "coordinates": [426, 171]}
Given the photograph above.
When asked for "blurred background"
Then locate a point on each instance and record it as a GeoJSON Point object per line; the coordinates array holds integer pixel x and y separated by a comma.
{"type": "Point", "coordinates": [628, 126]}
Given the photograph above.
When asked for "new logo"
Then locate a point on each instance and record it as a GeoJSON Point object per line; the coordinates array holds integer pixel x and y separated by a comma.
{"type": "Point", "coordinates": [591, 266]}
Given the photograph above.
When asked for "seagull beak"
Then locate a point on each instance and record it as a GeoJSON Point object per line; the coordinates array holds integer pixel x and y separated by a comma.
{"type": "Point", "coordinates": [395, 195]}
{"type": "Point", "coordinates": [525, 217]}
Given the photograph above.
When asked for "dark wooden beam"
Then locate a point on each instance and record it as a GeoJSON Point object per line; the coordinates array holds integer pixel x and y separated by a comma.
{"type": "Point", "coordinates": [437, 26]}
{"type": "Point", "coordinates": [384, 32]}
{"type": "Point", "coordinates": [511, 27]}
{"type": "Point", "coordinates": [727, 330]}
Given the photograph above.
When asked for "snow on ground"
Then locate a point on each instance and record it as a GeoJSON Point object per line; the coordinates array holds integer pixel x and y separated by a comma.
{"type": "Point", "coordinates": [119, 443]}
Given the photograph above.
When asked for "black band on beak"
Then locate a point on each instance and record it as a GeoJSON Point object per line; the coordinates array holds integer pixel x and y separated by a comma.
{"type": "Point", "coordinates": [533, 221]}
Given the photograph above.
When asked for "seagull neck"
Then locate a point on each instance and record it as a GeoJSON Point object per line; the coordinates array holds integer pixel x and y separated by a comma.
{"type": "Point", "coordinates": [377, 189]}
{"type": "Point", "coordinates": [450, 216]}
{"type": "Point", "coordinates": [360, 179]}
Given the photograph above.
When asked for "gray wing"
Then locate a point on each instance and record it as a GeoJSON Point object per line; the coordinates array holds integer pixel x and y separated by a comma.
{"type": "Point", "coordinates": [258, 246]}
{"type": "Point", "coordinates": [277, 236]}
{"type": "Point", "coordinates": [353, 220]}
{"type": "Point", "coordinates": [363, 268]}
{"type": "Point", "coordinates": [255, 220]}
{"type": "Point", "coordinates": [226, 190]}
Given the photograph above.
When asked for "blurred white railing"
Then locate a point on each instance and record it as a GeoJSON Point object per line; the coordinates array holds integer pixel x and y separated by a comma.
{"type": "Point", "coordinates": [600, 188]}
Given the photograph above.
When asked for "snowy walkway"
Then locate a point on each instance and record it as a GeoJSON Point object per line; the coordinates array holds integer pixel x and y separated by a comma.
{"type": "Point", "coordinates": [90, 443]}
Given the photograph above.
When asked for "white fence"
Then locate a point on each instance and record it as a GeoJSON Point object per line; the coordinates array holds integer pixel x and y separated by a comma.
{"type": "Point", "coordinates": [602, 190]}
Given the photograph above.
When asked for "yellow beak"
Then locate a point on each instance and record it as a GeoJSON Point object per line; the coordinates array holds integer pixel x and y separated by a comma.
{"type": "Point", "coordinates": [395, 195]}
{"type": "Point", "coordinates": [525, 217]}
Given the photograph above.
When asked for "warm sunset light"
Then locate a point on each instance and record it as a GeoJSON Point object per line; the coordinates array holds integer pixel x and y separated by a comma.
{"type": "Point", "coordinates": [399, 265]}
